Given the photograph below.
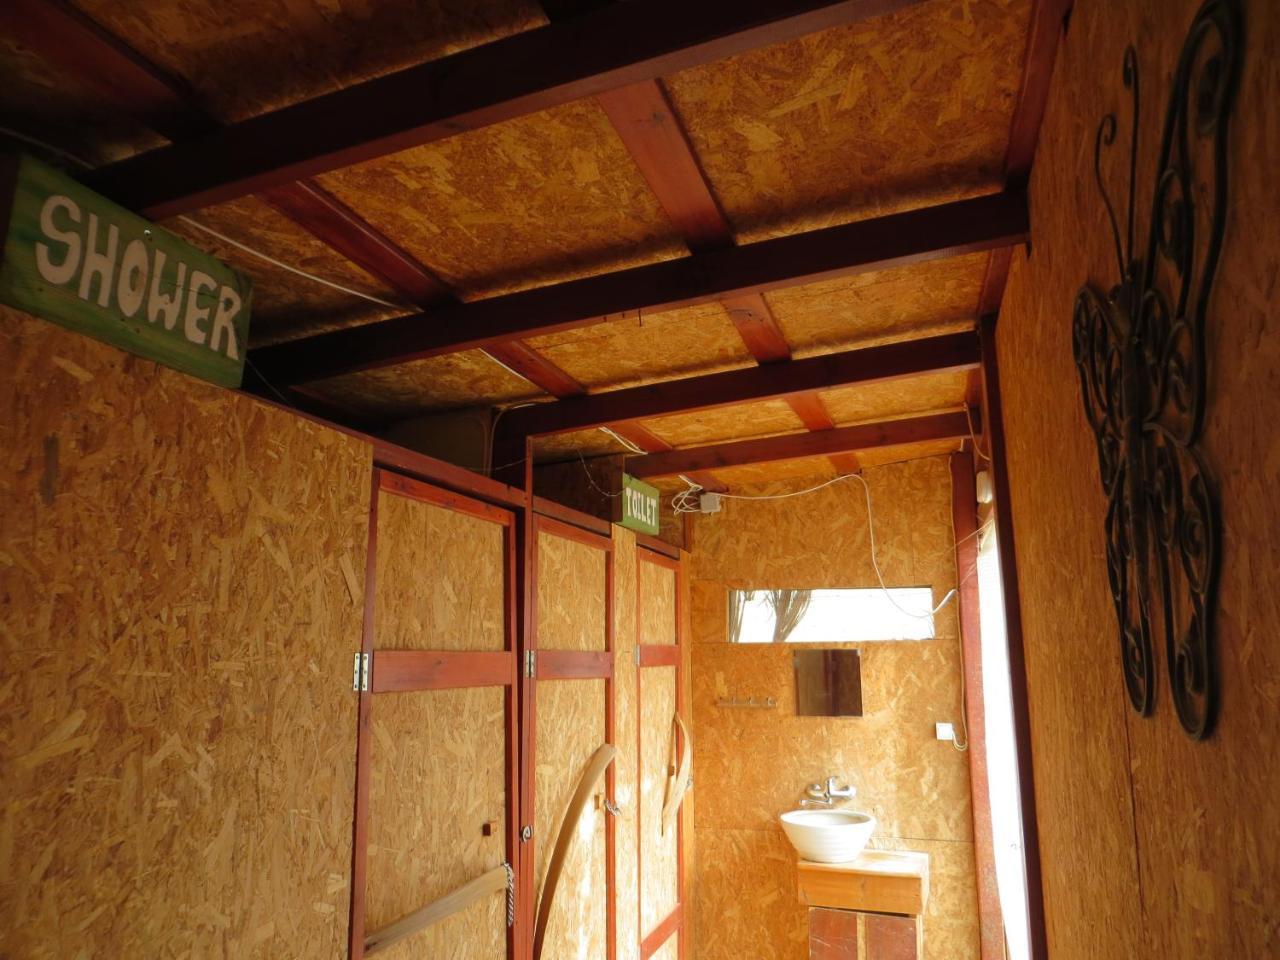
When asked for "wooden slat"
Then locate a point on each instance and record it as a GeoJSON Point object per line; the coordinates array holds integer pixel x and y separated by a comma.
{"type": "Point", "coordinates": [952, 229]}
{"type": "Point", "coordinates": [662, 932]}
{"type": "Point", "coordinates": [1047, 17]}
{"type": "Point", "coordinates": [521, 358]}
{"type": "Point", "coordinates": [650, 442]}
{"type": "Point", "coordinates": [755, 323]}
{"type": "Point", "coordinates": [798, 446]}
{"type": "Point", "coordinates": [401, 671]}
{"type": "Point", "coordinates": [954, 351]}
{"type": "Point", "coordinates": [884, 881]}
{"type": "Point", "coordinates": [574, 664]}
{"type": "Point", "coordinates": [427, 493]}
{"type": "Point", "coordinates": [642, 115]}
{"type": "Point", "coordinates": [659, 654]}
{"type": "Point", "coordinates": [579, 57]}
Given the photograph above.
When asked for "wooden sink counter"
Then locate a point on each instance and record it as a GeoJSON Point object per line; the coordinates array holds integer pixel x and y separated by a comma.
{"type": "Point", "coordinates": [879, 881]}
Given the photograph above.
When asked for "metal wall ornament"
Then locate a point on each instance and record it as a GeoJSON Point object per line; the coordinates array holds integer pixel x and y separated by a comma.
{"type": "Point", "coordinates": [1140, 352]}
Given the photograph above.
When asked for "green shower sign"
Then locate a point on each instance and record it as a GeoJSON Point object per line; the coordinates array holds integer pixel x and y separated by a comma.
{"type": "Point", "coordinates": [639, 505]}
{"type": "Point", "coordinates": [76, 258]}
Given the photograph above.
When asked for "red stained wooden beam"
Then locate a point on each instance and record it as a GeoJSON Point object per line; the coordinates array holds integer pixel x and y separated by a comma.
{"type": "Point", "coordinates": [932, 233]}
{"type": "Point", "coordinates": [798, 446]}
{"type": "Point", "coordinates": [662, 932]}
{"type": "Point", "coordinates": [755, 323]}
{"type": "Point", "coordinates": [1047, 22]}
{"type": "Point", "coordinates": [953, 351]}
{"type": "Point", "coordinates": [574, 664]}
{"type": "Point", "coordinates": [580, 57]}
{"type": "Point", "coordinates": [659, 654]}
{"type": "Point", "coordinates": [401, 671]}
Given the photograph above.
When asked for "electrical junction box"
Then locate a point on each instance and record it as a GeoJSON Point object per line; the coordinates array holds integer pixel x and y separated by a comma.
{"type": "Point", "coordinates": [709, 503]}
{"type": "Point", "coordinates": [945, 731]}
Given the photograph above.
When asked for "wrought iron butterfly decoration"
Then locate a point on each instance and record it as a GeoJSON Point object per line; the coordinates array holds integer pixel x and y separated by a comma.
{"type": "Point", "coordinates": [1140, 353]}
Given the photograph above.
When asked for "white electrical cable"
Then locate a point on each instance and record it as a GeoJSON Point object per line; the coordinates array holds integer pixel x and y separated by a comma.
{"type": "Point", "coordinates": [623, 440]}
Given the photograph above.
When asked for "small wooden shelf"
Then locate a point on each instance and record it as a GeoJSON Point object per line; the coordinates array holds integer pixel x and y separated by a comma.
{"type": "Point", "coordinates": [879, 881]}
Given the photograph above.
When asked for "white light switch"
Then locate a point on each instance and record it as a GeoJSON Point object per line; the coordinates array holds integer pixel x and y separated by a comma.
{"type": "Point", "coordinates": [945, 731]}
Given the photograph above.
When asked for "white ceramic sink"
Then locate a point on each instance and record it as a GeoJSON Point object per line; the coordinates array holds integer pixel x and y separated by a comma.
{"type": "Point", "coordinates": [828, 836]}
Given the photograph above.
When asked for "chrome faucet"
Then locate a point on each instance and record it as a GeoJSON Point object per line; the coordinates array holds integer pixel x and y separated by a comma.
{"type": "Point", "coordinates": [826, 795]}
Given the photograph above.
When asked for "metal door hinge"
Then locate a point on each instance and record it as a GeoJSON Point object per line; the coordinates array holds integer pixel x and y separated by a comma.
{"type": "Point", "coordinates": [530, 663]}
{"type": "Point", "coordinates": [360, 672]}
{"type": "Point", "coordinates": [637, 655]}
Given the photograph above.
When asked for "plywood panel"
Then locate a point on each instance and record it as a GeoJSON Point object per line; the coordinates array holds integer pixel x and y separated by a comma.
{"type": "Point", "coordinates": [571, 594]}
{"type": "Point", "coordinates": [183, 574]}
{"type": "Point", "coordinates": [1130, 810]}
{"type": "Point", "coordinates": [908, 109]}
{"type": "Point", "coordinates": [626, 835]}
{"type": "Point", "coordinates": [657, 620]}
{"type": "Point", "coordinates": [437, 777]}
{"type": "Point", "coordinates": [570, 727]}
{"type": "Point", "coordinates": [244, 57]}
{"type": "Point", "coordinates": [536, 200]}
{"type": "Point", "coordinates": [441, 577]}
{"type": "Point", "coordinates": [865, 403]}
{"type": "Point", "coordinates": [570, 446]}
{"type": "Point", "coordinates": [659, 346]}
{"type": "Point", "coordinates": [926, 299]}
{"type": "Point", "coordinates": [658, 848]}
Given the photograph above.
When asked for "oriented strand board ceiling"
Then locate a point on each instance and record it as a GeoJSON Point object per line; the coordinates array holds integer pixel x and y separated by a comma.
{"type": "Point", "coordinates": [890, 114]}
{"type": "Point", "coordinates": [879, 116]}
{"type": "Point", "coordinates": [245, 57]}
{"type": "Point", "coordinates": [541, 199]}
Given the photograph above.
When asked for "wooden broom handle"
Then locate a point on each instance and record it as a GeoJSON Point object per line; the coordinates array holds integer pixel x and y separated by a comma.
{"type": "Point", "coordinates": [676, 789]}
{"type": "Point", "coordinates": [595, 769]}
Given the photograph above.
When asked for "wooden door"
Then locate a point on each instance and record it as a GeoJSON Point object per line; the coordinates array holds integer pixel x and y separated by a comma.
{"type": "Point", "coordinates": [659, 697]}
{"type": "Point", "coordinates": [568, 716]}
{"type": "Point", "coordinates": [437, 766]}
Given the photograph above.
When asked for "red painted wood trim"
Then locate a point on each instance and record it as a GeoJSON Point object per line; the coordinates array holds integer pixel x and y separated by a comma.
{"type": "Point", "coordinates": [658, 551]}
{"type": "Point", "coordinates": [659, 655]}
{"type": "Point", "coordinates": [511, 705]}
{"type": "Point", "coordinates": [527, 575]}
{"type": "Point", "coordinates": [755, 323]}
{"type": "Point", "coordinates": [952, 351]}
{"type": "Point", "coordinates": [598, 538]}
{"type": "Point", "coordinates": [1013, 628]}
{"type": "Point", "coordinates": [611, 773]}
{"type": "Point", "coordinates": [360, 825]}
{"type": "Point", "coordinates": [522, 74]}
{"type": "Point", "coordinates": [662, 932]}
{"type": "Point", "coordinates": [426, 493]}
{"type": "Point", "coordinates": [650, 442]}
{"type": "Point", "coordinates": [892, 937]}
{"type": "Point", "coordinates": [796, 446]}
{"type": "Point", "coordinates": [442, 473]}
{"type": "Point", "coordinates": [574, 664]}
{"type": "Point", "coordinates": [519, 357]}
{"type": "Point", "coordinates": [403, 671]}
{"type": "Point", "coordinates": [648, 126]}
{"type": "Point", "coordinates": [1047, 19]}
{"type": "Point", "coordinates": [811, 411]}
{"type": "Point", "coordinates": [569, 516]}
{"type": "Point", "coordinates": [964, 519]}
{"type": "Point", "coordinates": [931, 233]}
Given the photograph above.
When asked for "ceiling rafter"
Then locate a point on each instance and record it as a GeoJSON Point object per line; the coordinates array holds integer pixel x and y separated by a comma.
{"type": "Point", "coordinates": [946, 230]}
{"type": "Point", "coordinates": [649, 127]}
{"type": "Point", "coordinates": [569, 60]}
{"type": "Point", "coordinates": [799, 446]}
{"type": "Point", "coordinates": [892, 361]}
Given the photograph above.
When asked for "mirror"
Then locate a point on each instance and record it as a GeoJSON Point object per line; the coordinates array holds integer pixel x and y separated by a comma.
{"type": "Point", "coordinates": [828, 683]}
{"type": "Point", "coordinates": [855, 615]}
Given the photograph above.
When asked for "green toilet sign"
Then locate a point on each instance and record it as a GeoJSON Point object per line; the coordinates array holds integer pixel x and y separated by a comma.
{"type": "Point", "coordinates": [85, 263]}
{"type": "Point", "coordinates": [639, 505]}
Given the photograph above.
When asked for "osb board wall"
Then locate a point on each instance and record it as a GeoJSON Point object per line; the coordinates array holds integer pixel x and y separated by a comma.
{"type": "Point", "coordinates": [1151, 845]}
{"type": "Point", "coordinates": [570, 594]}
{"type": "Point", "coordinates": [659, 848]}
{"type": "Point", "coordinates": [441, 578]}
{"type": "Point", "coordinates": [894, 111]}
{"type": "Point", "coordinates": [183, 577]}
{"type": "Point", "coordinates": [570, 727]}
{"type": "Point", "coordinates": [917, 787]}
{"type": "Point", "coordinates": [437, 777]}
{"type": "Point", "coordinates": [626, 837]}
